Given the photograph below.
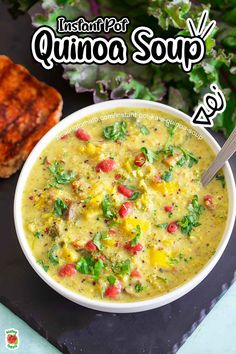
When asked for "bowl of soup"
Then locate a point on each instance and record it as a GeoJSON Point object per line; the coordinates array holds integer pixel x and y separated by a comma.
{"type": "Point", "coordinates": [110, 211]}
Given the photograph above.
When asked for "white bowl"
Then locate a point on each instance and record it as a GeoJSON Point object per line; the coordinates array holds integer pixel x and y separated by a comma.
{"type": "Point", "coordinates": [114, 306]}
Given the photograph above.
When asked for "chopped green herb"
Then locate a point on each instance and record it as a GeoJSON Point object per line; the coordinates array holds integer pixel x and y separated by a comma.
{"type": "Point", "coordinates": [134, 196]}
{"type": "Point", "coordinates": [52, 256]}
{"type": "Point", "coordinates": [115, 223]}
{"type": "Point", "coordinates": [117, 131]}
{"type": "Point", "coordinates": [60, 176]}
{"type": "Point", "coordinates": [162, 226]}
{"type": "Point", "coordinates": [189, 221]}
{"type": "Point", "coordinates": [86, 201]}
{"type": "Point", "coordinates": [221, 178]}
{"type": "Point", "coordinates": [43, 265]}
{"type": "Point", "coordinates": [188, 158]}
{"type": "Point", "coordinates": [44, 160]}
{"type": "Point", "coordinates": [38, 234]}
{"type": "Point", "coordinates": [86, 265]}
{"type": "Point", "coordinates": [138, 288]}
{"type": "Point", "coordinates": [144, 130]}
{"type": "Point", "coordinates": [169, 150]}
{"type": "Point", "coordinates": [164, 280]}
{"type": "Point", "coordinates": [111, 279]}
{"type": "Point", "coordinates": [98, 238]}
{"type": "Point", "coordinates": [98, 266]}
{"type": "Point", "coordinates": [135, 240]}
{"type": "Point", "coordinates": [59, 207]}
{"type": "Point", "coordinates": [171, 128]}
{"type": "Point", "coordinates": [179, 258]}
{"type": "Point", "coordinates": [167, 175]}
{"type": "Point", "coordinates": [107, 208]}
{"type": "Point", "coordinates": [121, 267]}
{"type": "Point", "coordinates": [150, 155]}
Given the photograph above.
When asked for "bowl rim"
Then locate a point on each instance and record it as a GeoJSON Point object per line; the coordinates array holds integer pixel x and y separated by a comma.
{"type": "Point", "coordinates": [119, 307]}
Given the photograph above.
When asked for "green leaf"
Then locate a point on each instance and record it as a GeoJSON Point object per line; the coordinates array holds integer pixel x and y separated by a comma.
{"type": "Point", "coordinates": [167, 175]}
{"type": "Point", "coordinates": [170, 13]}
{"type": "Point", "coordinates": [138, 288]}
{"type": "Point", "coordinates": [169, 150]}
{"type": "Point", "coordinates": [98, 266]}
{"type": "Point", "coordinates": [115, 132]}
{"type": "Point", "coordinates": [121, 267]}
{"type": "Point", "coordinates": [221, 178]}
{"type": "Point", "coordinates": [43, 265]}
{"type": "Point", "coordinates": [59, 207]}
{"type": "Point", "coordinates": [135, 240]}
{"type": "Point", "coordinates": [144, 130]}
{"type": "Point", "coordinates": [108, 213]}
{"type": "Point", "coordinates": [98, 238]}
{"type": "Point", "coordinates": [111, 279]}
{"type": "Point", "coordinates": [60, 176]}
{"type": "Point", "coordinates": [134, 196]}
{"type": "Point", "coordinates": [150, 155]}
{"type": "Point", "coordinates": [171, 128]}
{"type": "Point", "coordinates": [162, 226]}
{"type": "Point", "coordinates": [86, 265]}
{"type": "Point", "coordinates": [188, 158]}
{"type": "Point", "coordinates": [38, 234]}
{"type": "Point", "coordinates": [87, 200]}
{"type": "Point", "coordinates": [52, 255]}
{"type": "Point", "coordinates": [190, 221]}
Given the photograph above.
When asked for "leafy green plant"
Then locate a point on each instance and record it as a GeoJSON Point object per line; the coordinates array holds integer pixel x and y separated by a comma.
{"type": "Point", "coordinates": [166, 83]}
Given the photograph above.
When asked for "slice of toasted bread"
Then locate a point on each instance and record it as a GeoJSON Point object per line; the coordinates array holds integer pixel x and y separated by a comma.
{"type": "Point", "coordinates": [28, 109]}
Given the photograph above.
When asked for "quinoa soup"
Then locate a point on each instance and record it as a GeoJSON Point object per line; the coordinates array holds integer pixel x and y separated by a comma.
{"type": "Point", "coordinates": [114, 208]}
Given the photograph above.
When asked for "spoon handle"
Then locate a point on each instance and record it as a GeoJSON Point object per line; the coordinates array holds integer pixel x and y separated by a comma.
{"type": "Point", "coordinates": [225, 153]}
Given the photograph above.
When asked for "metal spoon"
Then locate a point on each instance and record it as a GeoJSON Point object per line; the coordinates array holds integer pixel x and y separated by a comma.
{"type": "Point", "coordinates": [225, 153]}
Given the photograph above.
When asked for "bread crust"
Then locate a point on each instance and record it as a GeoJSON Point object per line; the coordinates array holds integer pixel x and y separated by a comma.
{"type": "Point", "coordinates": [28, 109]}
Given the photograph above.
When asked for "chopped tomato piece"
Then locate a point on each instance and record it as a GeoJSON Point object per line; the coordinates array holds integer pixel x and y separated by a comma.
{"type": "Point", "coordinates": [208, 198]}
{"type": "Point", "coordinates": [64, 136]}
{"type": "Point", "coordinates": [139, 159]}
{"type": "Point", "coordinates": [208, 201]}
{"type": "Point", "coordinates": [82, 135]}
{"type": "Point", "coordinates": [134, 249]}
{"type": "Point", "coordinates": [113, 290]}
{"type": "Point", "coordinates": [90, 246]}
{"type": "Point", "coordinates": [47, 162]}
{"type": "Point", "coordinates": [125, 209]}
{"type": "Point", "coordinates": [172, 227]}
{"type": "Point", "coordinates": [67, 270]}
{"type": "Point", "coordinates": [106, 166]}
{"type": "Point", "coordinates": [118, 176]}
{"type": "Point", "coordinates": [135, 274]}
{"type": "Point", "coordinates": [124, 190]}
{"type": "Point", "coordinates": [169, 208]}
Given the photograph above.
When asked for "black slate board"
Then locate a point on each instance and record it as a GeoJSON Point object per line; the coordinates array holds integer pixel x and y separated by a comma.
{"type": "Point", "coordinates": [74, 329]}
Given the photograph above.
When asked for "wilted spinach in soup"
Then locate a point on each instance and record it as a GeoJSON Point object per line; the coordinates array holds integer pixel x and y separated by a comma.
{"type": "Point", "coordinates": [115, 209]}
